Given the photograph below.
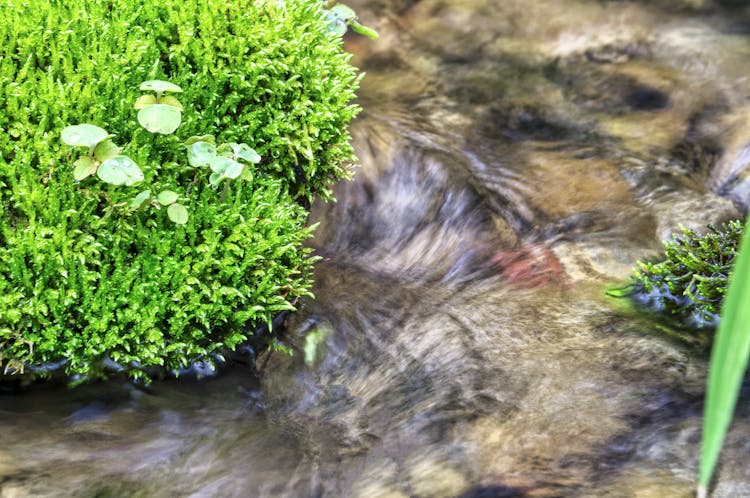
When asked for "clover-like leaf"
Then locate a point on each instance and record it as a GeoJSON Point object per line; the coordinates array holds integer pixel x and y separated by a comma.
{"type": "Point", "coordinates": [246, 153]}
{"type": "Point", "coordinates": [83, 135]}
{"type": "Point", "coordinates": [160, 118]}
{"type": "Point", "coordinates": [140, 199]}
{"type": "Point", "coordinates": [200, 153]}
{"type": "Point", "coordinates": [120, 170]}
{"type": "Point", "coordinates": [343, 12]}
{"type": "Point", "coordinates": [336, 26]}
{"type": "Point", "coordinates": [215, 179]}
{"type": "Point", "coordinates": [106, 150]}
{"type": "Point", "coordinates": [167, 197]}
{"type": "Point", "coordinates": [144, 101]}
{"type": "Point", "coordinates": [178, 213]}
{"type": "Point", "coordinates": [160, 86]}
{"type": "Point", "coordinates": [226, 149]}
{"type": "Point", "coordinates": [226, 167]}
{"type": "Point", "coordinates": [169, 100]}
{"type": "Point", "coordinates": [85, 166]}
{"type": "Point", "coordinates": [200, 138]}
{"type": "Point", "coordinates": [247, 175]}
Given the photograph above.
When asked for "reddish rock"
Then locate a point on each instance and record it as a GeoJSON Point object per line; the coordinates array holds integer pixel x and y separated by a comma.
{"type": "Point", "coordinates": [531, 266]}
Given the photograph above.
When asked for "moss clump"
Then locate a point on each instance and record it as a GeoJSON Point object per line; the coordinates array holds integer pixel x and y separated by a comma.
{"type": "Point", "coordinates": [85, 280]}
{"type": "Point", "coordinates": [692, 280]}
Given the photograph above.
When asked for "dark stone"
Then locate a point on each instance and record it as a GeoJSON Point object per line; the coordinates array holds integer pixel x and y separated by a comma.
{"type": "Point", "coordinates": [644, 98]}
{"type": "Point", "coordinates": [494, 491]}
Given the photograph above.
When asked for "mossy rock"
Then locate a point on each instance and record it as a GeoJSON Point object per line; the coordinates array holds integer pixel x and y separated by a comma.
{"type": "Point", "coordinates": [85, 279]}
{"type": "Point", "coordinates": [692, 280]}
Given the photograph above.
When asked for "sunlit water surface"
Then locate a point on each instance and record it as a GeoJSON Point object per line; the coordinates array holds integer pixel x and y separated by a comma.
{"type": "Point", "coordinates": [517, 157]}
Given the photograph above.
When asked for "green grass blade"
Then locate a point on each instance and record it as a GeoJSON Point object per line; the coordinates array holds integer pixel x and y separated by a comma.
{"type": "Point", "coordinates": [729, 359]}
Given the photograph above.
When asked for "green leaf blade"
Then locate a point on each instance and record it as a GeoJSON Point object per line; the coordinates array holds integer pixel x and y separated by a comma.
{"type": "Point", "coordinates": [160, 118]}
{"type": "Point", "coordinates": [227, 168]}
{"type": "Point", "coordinates": [106, 150]}
{"type": "Point", "coordinates": [167, 197]}
{"type": "Point", "coordinates": [226, 149]}
{"type": "Point", "coordinates": [85, 166]}
{"type": "Point", "coordinates": [336, 26]}
{"type": "Point", "coordinates": [343, 12]}
{"type": "Point", "coordinates": [178, 213]}
{"type": "Point", "coordinates": [200, 138]}
{"type": "Point", "coordinates": [120, 170]}
{"type": "Point", "coordinates": [83, 135]}
{"type": "Point", "coordinates": [169, 100]}
{"type": "Point", "coordinates": [729, 359]}
{"type": "Point", "coordinates": [200, 154]}
{"type": "Point", "coordinates": [160, 86]}
{"type": "Point", "coordinates": [144, 101]}
{"type": "Point", "coordinates": [140, 199]}
{"type": "Point", "coordinates": [215, 179]}
{"type": "Point", "coordinates": [246, 153]}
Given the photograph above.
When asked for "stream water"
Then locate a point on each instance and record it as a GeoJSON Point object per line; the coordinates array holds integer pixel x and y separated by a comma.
{"type": "Point", "coordinates": [517, 158]}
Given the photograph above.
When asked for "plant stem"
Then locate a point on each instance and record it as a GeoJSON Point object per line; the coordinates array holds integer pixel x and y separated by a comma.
{"type": "Point", "coordinates": [225, 192]}
{"type": "Point", "coordinates": [190, 185]}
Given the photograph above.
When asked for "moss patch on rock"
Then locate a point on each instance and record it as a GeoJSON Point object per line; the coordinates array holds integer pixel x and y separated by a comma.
{"type": "Point", "coordinates": [85, 280]}
{"type": "Point", "coordinates": [691, 281]}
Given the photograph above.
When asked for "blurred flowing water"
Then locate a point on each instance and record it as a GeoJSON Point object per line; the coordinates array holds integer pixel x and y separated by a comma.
{"type": "Point", "coordinates": [517, 158]}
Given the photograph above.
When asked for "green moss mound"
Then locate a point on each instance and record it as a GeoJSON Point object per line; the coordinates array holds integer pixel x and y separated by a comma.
{"type": "Point", "coordinates": [86, 281]}
{"type": "Point", "coordinates": [692, 279]}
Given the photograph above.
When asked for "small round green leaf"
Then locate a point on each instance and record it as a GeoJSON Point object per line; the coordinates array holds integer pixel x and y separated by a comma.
{"type": "Point", "coordinates": [343, 12]}
{"type": "Point", "coordinates": [169, 100]}
{"type": "Point", "coordinates": [106, 150]}
{"type": "Point", "coordinates": [202, 138]}
{"type": "Point", "coordinates": [337, 26]}
{"type": "Point", "coordinates": [246, 153]}
{"type": "Point", "coordinates": [139, 199]}
{"type": "Point", "coordinates": [177, 213]}
{"type": "Point", "coordinates": [215, 179]}
{"type": "Point", "coordinates": [160, 118]}
{"type": "Point", "coordinates": [144, 101]}
{"type": "Point", "coordinates": [247, 175]}
{"type": "Point", "coordinates": [85, 166]}
{"type": "Point", "coordinates": [234, 170]}
{"type": "Point", "coordinates": [226, 150]}
{"type": "Point", "coordinates": [83, 135]}
{"type": "Point", "coordinates": [200, 153]}
{"type": "Point", "coordinates": [160, 86]}
{"type": "Point", "coordinates": [219, 164]}
{"type": "Point", "coordinates": [120, 170]}
{"type": "Point", "coordinates": [227, 168]}
{"type": "Point", "coordinates": [167, 197]}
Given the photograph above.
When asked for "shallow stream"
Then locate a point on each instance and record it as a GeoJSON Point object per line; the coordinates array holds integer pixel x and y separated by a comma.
{"type": "Point", "coordinates": [517, 158]}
